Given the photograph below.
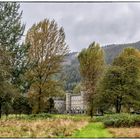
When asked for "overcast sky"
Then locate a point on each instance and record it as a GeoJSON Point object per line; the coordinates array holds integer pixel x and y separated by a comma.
{"type": "Point", "coordinates": [105, 23]}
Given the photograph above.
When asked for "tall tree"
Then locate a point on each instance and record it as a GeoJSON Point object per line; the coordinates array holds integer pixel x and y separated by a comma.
{"type": "Point", "coordinates": [11, 31]}
{"type": "Point", "coordinates": [91, 67]}
{"type": "Point", "coordinates": [121, 84]}
{"type": "Point", "coordinates": [46, 53]}
{"type": "Point", "coordinates": [4, 75]}
{"type": "Point", "coordinates": [11, 28]}
{"type": "Point", "coordinates": [129, 61]}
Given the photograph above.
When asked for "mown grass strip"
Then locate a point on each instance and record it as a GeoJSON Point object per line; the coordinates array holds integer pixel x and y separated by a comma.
{"type": "Point", "coordinates": [92, 130]}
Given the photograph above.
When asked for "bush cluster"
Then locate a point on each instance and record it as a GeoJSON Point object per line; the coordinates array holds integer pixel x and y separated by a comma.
{"type": "Point", "coordinates": [119, 120]}
{"type": "Point", "coordinates": [72, 117]}
{"type": "Point", "coordinates": [29, 117]}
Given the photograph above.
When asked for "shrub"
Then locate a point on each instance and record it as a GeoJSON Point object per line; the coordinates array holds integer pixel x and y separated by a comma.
{"type": "Point", "coordinates": [119, 120]}
{"type": "Point", "coordinates": [29, 117]}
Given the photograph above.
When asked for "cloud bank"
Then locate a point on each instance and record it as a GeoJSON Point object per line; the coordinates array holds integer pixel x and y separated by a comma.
{"type": "Point", "coordinates": [105, 23]}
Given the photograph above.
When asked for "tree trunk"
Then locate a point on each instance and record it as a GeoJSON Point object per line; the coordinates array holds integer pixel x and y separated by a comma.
{"type": "Point", "coordinates": [91, 110]}
{"type": "Point", "coordinates": [91, 113]}
{"type": "Point", "coordinates": [102, 112]}
{"type": "Point", "coordinates": [0, 109]}
{"type": "Point", "coordinates": [39, 101]}
{"type": "Point", "coordinates": [7, 113]}
{"type": "Point", "coordinates": [118, 105]}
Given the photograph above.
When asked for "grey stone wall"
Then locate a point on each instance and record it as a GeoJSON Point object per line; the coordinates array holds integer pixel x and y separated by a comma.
{"type": "Point", "coordinates": [74, 103]}
{"type": "Point", "coordinates": [77, 103]}
{"type": "Point", "coordinates": [60, 105]}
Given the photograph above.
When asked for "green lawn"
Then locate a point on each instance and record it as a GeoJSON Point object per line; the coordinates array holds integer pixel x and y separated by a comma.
{"type": "Point", "coordinates": [93, 130]}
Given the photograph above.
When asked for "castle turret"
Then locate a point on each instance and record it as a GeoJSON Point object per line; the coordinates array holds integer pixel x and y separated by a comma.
{"type": "Point", "coordinates": [68, 102]}
{"type": "Point", "coordinates": [84, 103]}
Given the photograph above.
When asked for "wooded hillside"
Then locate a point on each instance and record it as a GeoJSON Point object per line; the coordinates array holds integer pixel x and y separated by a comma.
{"type": "Point", "coordinates": [71, 64]}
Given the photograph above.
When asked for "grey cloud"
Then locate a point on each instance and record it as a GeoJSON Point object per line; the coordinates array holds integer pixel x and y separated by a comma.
{"type": "Point", "coordinates": [105, 23]}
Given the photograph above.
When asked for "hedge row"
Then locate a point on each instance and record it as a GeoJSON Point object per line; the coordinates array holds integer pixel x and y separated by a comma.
{"type": "Point", "coordinates": [119, 120]}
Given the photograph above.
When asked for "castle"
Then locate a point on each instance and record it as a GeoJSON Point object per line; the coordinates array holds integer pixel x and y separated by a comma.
{"type": "Point", "coordinates": [74, 104]}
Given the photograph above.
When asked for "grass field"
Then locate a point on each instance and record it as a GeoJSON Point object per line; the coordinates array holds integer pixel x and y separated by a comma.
{"type": "Point", "coordinates": [132, 132]}
{"type": "Point", "coordinates": [69, 126]}
{"type": "Point", "coordinates": [42, 126]}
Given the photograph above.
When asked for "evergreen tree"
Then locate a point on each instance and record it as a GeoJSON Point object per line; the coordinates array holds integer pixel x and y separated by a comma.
{"type": "Point", "coordinates": [12, 30]}
{"type": "Point", "coordinates": [21, 105]}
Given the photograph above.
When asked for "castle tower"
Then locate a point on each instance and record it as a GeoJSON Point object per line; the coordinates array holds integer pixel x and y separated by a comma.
{"type": "Point", "coordinates": [68, 102]}
{"type": "Point", "coordinates": [83, 100]}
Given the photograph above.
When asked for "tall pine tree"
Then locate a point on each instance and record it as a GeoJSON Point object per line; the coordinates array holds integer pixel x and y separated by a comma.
{"type": "Point", "coordinates": [12, 30]}
{"type": "Point", "coordinates": [11, 52]}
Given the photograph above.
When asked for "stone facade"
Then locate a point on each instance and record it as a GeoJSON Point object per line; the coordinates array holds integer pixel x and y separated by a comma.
{"type": "Point", "coordinates": [74, 103]}
{"type": "Point", "coordinates": [59, 105]}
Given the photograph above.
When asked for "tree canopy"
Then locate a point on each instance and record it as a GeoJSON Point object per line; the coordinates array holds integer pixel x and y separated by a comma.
{"type": "Point", "coordinates": [91, 67]}
{"type": "Point", "coordinates": [121, 83]}
{"type": "Point", "coordinates": [46, 53]}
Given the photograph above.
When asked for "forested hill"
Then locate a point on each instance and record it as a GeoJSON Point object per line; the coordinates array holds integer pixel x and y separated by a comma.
{"type": "Point", "coordinates": [70, 58]}
{"type": "Point", "coordinates": [111, 51]}
{"type": "Point", "coordinates": [71, 64]}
